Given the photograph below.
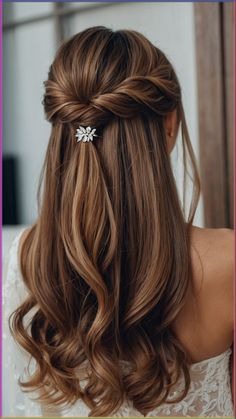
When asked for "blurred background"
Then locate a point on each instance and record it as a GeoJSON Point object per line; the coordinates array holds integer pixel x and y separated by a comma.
{"type": "Point", "coordinates": [197, 38]}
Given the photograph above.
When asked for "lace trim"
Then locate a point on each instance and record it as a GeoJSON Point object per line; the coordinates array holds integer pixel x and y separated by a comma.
{"type": "Point", "coordinates": [205, 362]}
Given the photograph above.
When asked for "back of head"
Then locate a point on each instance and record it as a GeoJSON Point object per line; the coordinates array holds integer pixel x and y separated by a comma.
{"type": "Point", "coordinates": [107, 263]}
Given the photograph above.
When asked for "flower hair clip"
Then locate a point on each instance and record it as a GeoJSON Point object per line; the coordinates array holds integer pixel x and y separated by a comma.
{"type": "Point", "coordinates": [85, 134]}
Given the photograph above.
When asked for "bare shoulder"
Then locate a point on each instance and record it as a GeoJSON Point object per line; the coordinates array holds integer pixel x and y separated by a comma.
{"type": "Point", "coordinates": [218, 242]}
{"type": "Point", "coordinates": [212, 253]}
{"type": "Point", "coordinates": [215, 247]}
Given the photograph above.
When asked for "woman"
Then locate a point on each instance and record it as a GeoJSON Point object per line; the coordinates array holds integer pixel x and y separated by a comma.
{"type": "Point", "coordinates": [128, 307]}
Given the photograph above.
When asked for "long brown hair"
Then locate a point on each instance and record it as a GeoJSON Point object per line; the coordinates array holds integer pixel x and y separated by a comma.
{"type": "Point", "coordinates": [107, 264]}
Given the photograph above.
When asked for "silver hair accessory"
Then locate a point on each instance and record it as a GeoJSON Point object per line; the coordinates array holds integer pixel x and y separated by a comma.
{"type": "Point", "coordinates": [85, 134]}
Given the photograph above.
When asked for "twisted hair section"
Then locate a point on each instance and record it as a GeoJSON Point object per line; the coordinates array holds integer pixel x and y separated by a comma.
{"type": "Point", "coordinates": [133, 95]}
{"type": "Point", "coordinates": [107, 263]}
{"type": "Point", "coordinates": [117, 90]}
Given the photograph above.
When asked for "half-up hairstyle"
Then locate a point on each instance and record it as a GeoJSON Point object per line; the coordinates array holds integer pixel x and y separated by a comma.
{"type": "Point", "coordinates": [107, 264]}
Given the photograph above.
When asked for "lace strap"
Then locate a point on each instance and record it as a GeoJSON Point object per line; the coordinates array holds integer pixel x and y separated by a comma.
{"type": "Point", "coordinates": [15, 360]}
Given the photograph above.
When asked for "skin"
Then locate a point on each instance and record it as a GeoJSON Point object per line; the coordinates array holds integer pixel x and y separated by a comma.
{"type": "Point", "coordinates": [171, 127]}
{"type": "Point", "coordinates": [205, 325]}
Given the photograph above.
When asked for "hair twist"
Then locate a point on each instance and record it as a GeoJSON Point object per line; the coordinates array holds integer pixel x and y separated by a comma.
{"type": "Point", "coordinates": [136, 94]}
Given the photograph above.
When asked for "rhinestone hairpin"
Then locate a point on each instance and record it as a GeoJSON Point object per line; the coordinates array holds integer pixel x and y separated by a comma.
{"type": "Point", "coordinates": [85, 134]}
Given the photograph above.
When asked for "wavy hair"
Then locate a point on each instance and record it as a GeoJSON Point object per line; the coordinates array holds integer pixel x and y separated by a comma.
{"type": "Point", "coordinates": [107, 263]}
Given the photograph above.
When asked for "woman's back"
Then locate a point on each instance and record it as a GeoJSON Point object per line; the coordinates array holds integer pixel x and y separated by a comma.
{"type": "Point", "coordinates": [205, 324]}
{"type": "Point", "coordinates": [204, 329]}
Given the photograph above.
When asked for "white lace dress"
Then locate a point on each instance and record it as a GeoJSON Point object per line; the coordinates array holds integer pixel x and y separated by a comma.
{"type": "Point", "coordinates": [209, 394]}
